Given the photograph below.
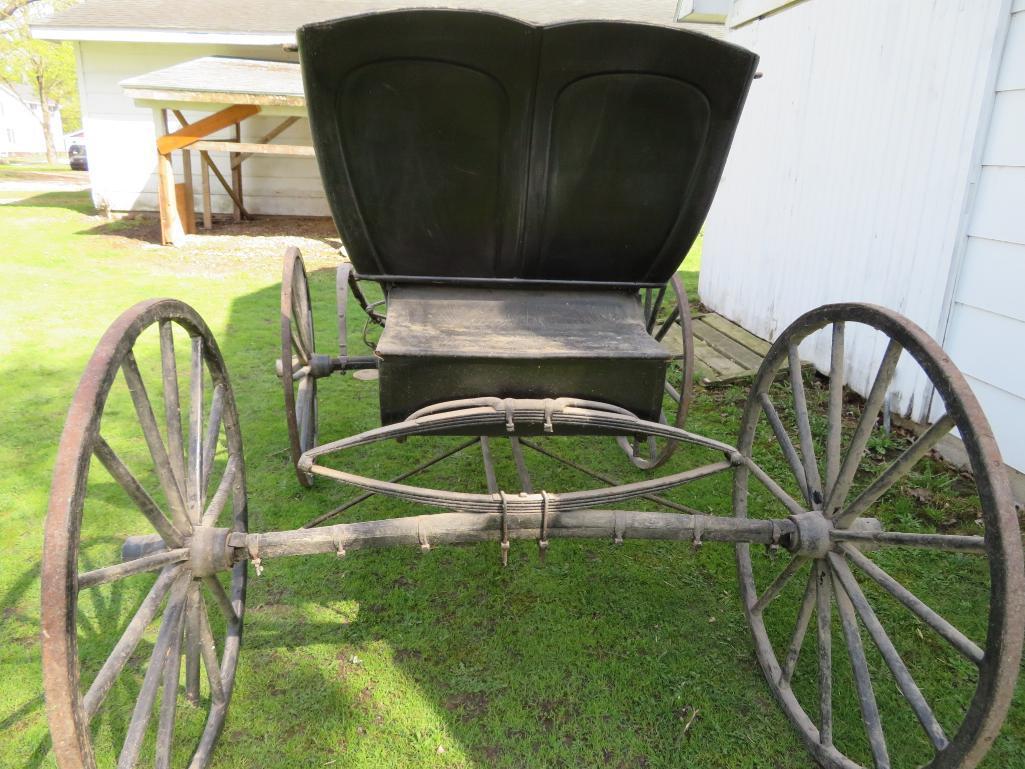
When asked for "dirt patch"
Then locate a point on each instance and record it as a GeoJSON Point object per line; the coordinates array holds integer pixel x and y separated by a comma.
{"type": "Point", "coordinates": [469, 705]}
{"type": "Point", "coordinates": [255, 244]}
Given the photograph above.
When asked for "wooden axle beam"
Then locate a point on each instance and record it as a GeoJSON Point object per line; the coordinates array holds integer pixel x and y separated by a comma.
{"type": "Point", "coordinates": [453, 528]}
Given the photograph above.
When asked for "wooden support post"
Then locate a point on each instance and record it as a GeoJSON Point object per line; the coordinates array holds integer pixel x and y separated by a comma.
{"type": "Point", "coordinates": [236, 177]}
{"type": "Point", "coordinates": [208, 219]}
{"type": "Point", "coordinates": [188, 211]}
{"type": "Point", "coordinates": [171, 232]}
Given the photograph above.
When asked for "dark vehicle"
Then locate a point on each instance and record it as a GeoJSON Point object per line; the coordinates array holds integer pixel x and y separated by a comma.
{"type": "Point", "coordinates": [77, 158]}
{"type": "Point", "coordinates": [515, 201]}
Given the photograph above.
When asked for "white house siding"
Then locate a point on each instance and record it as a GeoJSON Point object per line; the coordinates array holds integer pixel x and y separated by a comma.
{"type": "Point", "coordinates": [121, 137]}
{"type": "Point", "coordinates": [849, 174]}
{"type": "Point", "coordinates": [986, 333]}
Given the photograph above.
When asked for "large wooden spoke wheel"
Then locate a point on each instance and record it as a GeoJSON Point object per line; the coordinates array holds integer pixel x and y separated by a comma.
{"type": "Point", "coordinates": [915, 627]}
{"type": "Point", "coordinates": [140, 644]}
{"type": "Point", "coordinates": [667, 319]}
{"type": "Point", "coordinates": [298, 380]}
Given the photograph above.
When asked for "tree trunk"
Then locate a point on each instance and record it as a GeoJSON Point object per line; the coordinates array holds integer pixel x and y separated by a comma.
{"type": "Point", "coordinates": [44, 118]}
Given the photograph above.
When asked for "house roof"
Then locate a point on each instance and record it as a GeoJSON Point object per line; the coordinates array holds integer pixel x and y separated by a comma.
{"type": "Point", "coordinates": [222, 80]}
{"type": "Point", "coordinates": [273, 22]}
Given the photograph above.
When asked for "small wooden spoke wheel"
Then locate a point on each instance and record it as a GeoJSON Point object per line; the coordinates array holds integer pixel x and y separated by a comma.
{"type": "Point", "coordinates": [667, 319]}
{"type": "Point", "coordinates": [137, 572]}
{"type": "Point", "coordinates": [299, 378]}
{"type": "Point", "coordinates": [917, 624]}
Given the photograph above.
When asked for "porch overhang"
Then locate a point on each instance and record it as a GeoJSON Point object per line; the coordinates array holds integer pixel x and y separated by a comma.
{"type": "Point", "coordinates": [232, 90]}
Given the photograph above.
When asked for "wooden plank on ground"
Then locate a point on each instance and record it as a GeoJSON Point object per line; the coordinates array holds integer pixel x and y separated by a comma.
{"type": "Point", "coordinates": [735, 351]}
{"type": "Point", "coordinates": [193, 132]}
{"type": "Point", "coordinates": [185, 212]}
{"type": "Point", "coordinates": [713, 366]}
{"type": "Point", "coordinates": [737, 333]}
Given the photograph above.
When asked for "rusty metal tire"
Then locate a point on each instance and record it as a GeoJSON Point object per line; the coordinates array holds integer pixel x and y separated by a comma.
{"type": "Point", "coordinates": [654, 452]}
{"type": "Point", "coordinates": [833, 593]}
{"type": "Point", "coordinates": [64, 583]}
{"type": "Point", "coordinates": [298, 346]}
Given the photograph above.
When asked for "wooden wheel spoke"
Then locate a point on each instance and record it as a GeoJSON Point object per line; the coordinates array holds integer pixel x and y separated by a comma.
{"type": "Point", "coordinates": [905, 682]}
{"type": "Point", "coordinates": [208, 649]}
{"type": "Point", "coordinates": [773, 488]}
{"type": "Point", "coordinates": [824, 633]}
{"type": "Point", "coordinates": [851, 461]}
{"type": "Point", "coordinates": [120, 473]}
{"type": "Point", "coordinates": [304, 406]}
{"type": "Point", "coordinates": [667, 324]}
{"type": "Point", "coordinates": [129, 640]}
{"type": "Point", "coordinates": [834, 430]}
{"type": "Point", "coordinates": [800, 630]}
{"type": "Point", "coordinates": [300, 351]}
{"type": "Point", "coordinates": [170, 626]}
{"type": "Point", "coordinates": [862, 679]}
{"type": "Point", "coordinates": [213, 432]}
{"type": "Point", "coordinates": [146, 563]}
{"type": "Point", "coordinates": [169, 698]}
{"type": "Point", "coordinates": [195, 465]}
{"type": "Point", "coordinates": [172, 404]}
{"type": "Point", "coordinates": [192, 641]}
{"type": "Point", "coordinates": [217, 590]}
{"type": "Point", "coordinates": [651, 311]}
{"type": "Point", "coordinates": [900, 467]}
{"type": "Point", "coordinates": [777, 585]}
{"type": "Point", "coordinates": [953, 636]}
{"type": "Point", "coordinates": [813, 481]}
{"type": "Point", "coordinates": [151, 433]}
{"type": "Point", "coordinates": [301, 314]}
{"type": "Point", "coordinates": [956, 543]}
{"type": "Point", "coordinates": [787, 446]}
{"type": "Point", "coordinates": [220, 497]}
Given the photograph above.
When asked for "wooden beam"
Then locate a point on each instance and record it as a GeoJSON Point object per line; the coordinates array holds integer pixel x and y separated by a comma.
{"type": "Point", "coordinates": [279, 129]}
{"type": "Point", "coordinates": [236, 178]}
{"type": "Point", "coordinates": [187, 208]}
{"type": "Point", "coordinates": [188, 221]}
{"type": "Point", "coordinates": [171, 232]}
{"type": "Point", "coordinates": [204, 169]}
{"type": "Point", "coordinates": [245, 149]}
{"type": "Point", "coordinates": [224, 182]}
{"type": "Point", "coordinates": [191, 133]}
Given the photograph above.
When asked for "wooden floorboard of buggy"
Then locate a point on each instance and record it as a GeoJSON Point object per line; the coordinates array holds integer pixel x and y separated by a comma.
{"type": "Point", "coordinates": [723, 351]}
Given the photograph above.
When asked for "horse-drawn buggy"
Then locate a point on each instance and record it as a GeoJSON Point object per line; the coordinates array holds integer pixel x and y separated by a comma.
{"type": "Point", "coordinates": [520, 198]}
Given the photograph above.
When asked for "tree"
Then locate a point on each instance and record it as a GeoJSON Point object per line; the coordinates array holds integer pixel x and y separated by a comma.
{"type": "Point", "coordinates": [49, 68]}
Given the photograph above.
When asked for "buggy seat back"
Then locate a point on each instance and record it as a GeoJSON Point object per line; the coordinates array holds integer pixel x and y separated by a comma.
{"type": "Point", "coordinates": [470, 146]}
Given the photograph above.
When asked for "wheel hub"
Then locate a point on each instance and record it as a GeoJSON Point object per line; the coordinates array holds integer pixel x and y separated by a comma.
{"type": "Point", "coordinates": [210, 552]}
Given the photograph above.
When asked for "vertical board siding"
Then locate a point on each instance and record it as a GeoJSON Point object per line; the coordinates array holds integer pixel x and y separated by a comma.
{"type": "Point", "coordinates": [850, 169]}
{"type": "Point", "coordinates": [986, 333]}
{"type": "Point", "coordinates": [122, 140]}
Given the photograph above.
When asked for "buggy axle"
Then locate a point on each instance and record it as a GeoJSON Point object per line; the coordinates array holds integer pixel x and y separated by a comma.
{"type": "Point", "coordinates": [213, 549]}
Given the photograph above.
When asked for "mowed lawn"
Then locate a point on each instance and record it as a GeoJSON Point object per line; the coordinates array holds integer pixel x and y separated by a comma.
{"type": "Point", "coordinates": [632, 656]}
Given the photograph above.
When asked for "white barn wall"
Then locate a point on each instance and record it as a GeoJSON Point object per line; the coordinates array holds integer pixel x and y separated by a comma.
{"type": "Point", "coordinates": [986, 332]}
{"type": "Point", "coordinates": [121, 137]}
{"type": "Point", "coordinates": [850, 170]}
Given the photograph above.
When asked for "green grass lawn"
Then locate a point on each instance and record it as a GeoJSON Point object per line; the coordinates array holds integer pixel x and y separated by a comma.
{"type": "Point", "coordinates": [393, 658]}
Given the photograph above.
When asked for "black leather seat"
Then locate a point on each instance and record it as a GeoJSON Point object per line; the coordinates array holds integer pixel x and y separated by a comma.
{"type": "Point", "coordinates": [443, 343]}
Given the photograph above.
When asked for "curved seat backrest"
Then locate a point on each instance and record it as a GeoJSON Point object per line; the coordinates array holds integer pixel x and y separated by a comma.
{"type": "Point", "coordinates": [468, 145]}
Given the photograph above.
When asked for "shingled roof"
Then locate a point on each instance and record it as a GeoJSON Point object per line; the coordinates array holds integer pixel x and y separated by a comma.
{"type": "Point", "coordinates": [275, 21]}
